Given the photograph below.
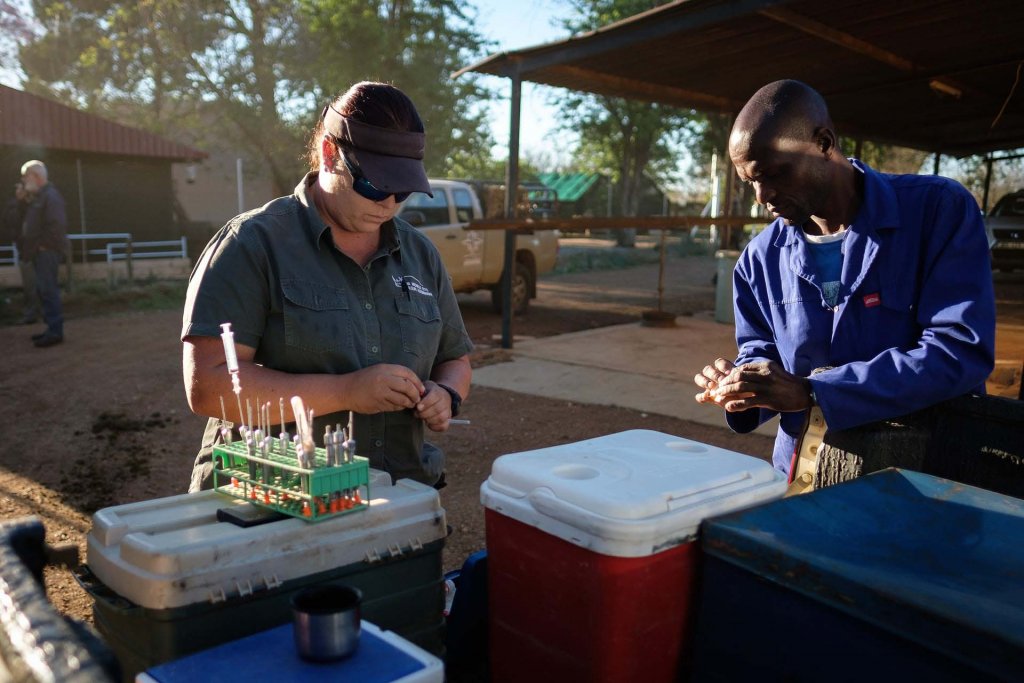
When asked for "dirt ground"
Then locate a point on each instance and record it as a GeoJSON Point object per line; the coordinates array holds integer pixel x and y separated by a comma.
{"type": "Point", "coordinates": [102, 420]}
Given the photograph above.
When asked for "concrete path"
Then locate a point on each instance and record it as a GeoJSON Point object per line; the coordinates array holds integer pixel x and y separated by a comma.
{"type": "Point", "coordinates": [649, 369]}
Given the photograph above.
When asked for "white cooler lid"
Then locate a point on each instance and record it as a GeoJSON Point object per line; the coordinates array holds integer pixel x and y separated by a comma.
{"type": "Point", "coordinates": [629, 494]}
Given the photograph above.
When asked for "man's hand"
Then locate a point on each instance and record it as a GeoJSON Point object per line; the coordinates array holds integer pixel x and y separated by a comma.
{"type": "Point", "coordinates": [385, 388]}
{"type": "Point", "coordinates": [764, 384]}
{"type": "Point", "coordinates": [709, 378]}
{"type": "Point", "coordinates": [435, 407]}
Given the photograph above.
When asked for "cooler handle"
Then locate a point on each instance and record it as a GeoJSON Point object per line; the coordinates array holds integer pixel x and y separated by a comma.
{"type": "Point", "coordinates": [546, 502]}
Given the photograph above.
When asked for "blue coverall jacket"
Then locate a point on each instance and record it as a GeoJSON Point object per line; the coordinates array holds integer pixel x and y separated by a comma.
{"type": "Point", "coordinates": [915, 320]}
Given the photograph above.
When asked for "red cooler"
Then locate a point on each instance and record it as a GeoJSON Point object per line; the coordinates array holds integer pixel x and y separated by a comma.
{"type": "Point", "coordinates": [591, 559]}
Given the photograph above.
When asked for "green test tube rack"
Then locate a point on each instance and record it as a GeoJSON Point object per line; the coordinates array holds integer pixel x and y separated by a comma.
{"type": "Point", "coordinates": [278, 482]}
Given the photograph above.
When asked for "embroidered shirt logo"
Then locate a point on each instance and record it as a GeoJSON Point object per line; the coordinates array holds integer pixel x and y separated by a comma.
{"type": "Point", "coordinates": [409, 283]}
{"type": "Point", "coordinates": [872, 300]}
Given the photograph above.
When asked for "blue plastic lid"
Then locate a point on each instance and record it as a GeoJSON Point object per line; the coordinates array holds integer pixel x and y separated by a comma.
{"type": "Point", "coordinates": [929, 559]}
{"type": "Point", "coordinates": [271, 655]}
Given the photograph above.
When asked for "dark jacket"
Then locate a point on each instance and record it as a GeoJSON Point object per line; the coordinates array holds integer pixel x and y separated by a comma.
{"type": "Point", "coordinates": [915, 322]}
{"type": "Point", "coordinates": [11, 220]}
{"type": "Point", "coordinates": [45, 224]}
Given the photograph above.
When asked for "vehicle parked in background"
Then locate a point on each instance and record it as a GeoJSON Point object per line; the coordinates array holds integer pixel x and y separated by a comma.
{"type": "Point", "coordinates": [1005, 227]}
{"type": "Point", "coordinates": [475, 258]}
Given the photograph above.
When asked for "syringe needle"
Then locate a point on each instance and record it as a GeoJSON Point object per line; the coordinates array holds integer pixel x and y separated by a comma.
{"type": "Point", "coordinates": [225, 431]}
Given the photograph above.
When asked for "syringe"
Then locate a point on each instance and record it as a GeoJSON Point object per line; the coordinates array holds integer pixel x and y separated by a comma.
{"type": "Point", "coordinates": [231, 357]}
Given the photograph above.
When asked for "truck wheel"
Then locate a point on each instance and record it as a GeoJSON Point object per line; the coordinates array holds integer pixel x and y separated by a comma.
{"type": "Point", "coordinates": [521, 280]}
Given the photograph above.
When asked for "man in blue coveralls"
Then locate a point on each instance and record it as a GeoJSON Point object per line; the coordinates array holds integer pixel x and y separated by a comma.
{"type": "Point", "coordinates": [882, 280]}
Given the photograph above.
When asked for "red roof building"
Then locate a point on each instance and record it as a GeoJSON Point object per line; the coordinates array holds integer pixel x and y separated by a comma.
{"type": "Point", "coordinates": [114, 178]}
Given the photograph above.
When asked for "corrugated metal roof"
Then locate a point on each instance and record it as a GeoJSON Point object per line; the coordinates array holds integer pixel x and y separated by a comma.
{"type": "Point", "coordinates": [928, 74]}
{"type": "Point", "coordinates": [569, 186]}
{"type": "Point", "coordinates": [27, 119]}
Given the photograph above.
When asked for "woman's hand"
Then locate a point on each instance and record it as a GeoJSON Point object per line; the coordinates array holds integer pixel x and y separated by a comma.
{"type": "Point", "coordinates": [435, 407]}
{"type": "Point", "coordinates": [384, 388]}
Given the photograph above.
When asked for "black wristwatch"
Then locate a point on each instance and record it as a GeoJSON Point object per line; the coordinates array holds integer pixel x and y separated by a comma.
{"type": "Point", "coordinates": [456, 399]}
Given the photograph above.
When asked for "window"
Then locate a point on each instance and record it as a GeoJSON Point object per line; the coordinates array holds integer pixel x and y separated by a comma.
{"type": "Point", "coordinates": [435, 210]}
{"type": "Point", "coordinates": [463, 205]}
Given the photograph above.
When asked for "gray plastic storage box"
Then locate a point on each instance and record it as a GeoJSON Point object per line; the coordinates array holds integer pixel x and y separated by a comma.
{"type": "Point", "coordinates": [169, 579]}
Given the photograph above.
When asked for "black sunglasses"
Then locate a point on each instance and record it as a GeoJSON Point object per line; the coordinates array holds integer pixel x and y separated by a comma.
{"type": "Point", "coordinates": [364, 188]}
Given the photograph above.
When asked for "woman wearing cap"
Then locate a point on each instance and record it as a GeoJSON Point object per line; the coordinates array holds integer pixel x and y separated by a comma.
{"type": "Point", "coordinates": [334, 299]}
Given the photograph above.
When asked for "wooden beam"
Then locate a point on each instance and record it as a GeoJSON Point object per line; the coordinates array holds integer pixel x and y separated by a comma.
{"type": "Point", "coordinates": [817, 29]}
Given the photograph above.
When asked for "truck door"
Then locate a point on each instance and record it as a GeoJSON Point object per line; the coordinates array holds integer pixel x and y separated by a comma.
{"type": "Point", "coordinates": [471, 242]}
{"type": "Point", "coordinates": [436, 218]}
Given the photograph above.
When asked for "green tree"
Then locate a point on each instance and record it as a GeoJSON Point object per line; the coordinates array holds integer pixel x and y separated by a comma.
{"type": "Point", "coordinates": [483, 167]}
{"type": "Point", "coordinates": [623, 138]}
{"type": "Point", "coordinates": [215, 74]}
{"type": "Point", "coordinates": [16, 28]}
{"type": "Point", "coordinates": [416, 45]}
{"type": "Point", "coordinates": [250, 76]}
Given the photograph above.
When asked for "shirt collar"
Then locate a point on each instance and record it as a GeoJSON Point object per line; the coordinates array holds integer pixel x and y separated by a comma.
{"type": "Point", "coordinates": [304, 195]}
{"type": "Point", "coordinates": [878, 209]}
{"type": "Point", "coordinates": [320, 232]}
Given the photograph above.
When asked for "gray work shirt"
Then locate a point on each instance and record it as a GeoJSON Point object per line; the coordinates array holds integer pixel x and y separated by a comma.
{"type": "Point", "coordinates": [276, 276]}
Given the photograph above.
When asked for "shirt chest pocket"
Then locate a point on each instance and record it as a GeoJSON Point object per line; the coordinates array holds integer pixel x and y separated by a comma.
{"type": "Point", "coordinates": [316, 317]}
{"type": "Point", "coordinates": [877, 318]}
{"type": "Point", "coordinates": [420, 319]}
{"type": "Point", "coordinates": [897, 311]}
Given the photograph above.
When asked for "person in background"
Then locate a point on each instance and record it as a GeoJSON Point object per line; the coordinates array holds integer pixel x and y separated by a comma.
{"type": "Point", "coordinates": [878, 284]}
{"type": "Point", "coordinates": [334, 299]}
{"type": "Point", "coordinates": [13, 224]}
{"type": "Point", "coordinates": [41, 242]}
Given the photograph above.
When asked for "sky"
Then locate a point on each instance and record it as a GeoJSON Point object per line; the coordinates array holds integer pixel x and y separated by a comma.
{"type": "Point", "coordinates": [514, 25]}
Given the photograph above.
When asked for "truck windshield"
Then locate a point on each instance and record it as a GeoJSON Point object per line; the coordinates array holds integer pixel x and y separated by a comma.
{"type": "Point", "coordinates": [434, 210]}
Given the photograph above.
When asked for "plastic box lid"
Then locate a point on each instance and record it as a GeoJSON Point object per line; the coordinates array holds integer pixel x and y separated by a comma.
{"type": "Point", "coordinates": [171, 552]}
{"type": "Point", "coordinates": [929, 559]}
{"type": "Point", "coordinates": [382, 657]}
{"type": "Point", "coordinates": [630, 494]}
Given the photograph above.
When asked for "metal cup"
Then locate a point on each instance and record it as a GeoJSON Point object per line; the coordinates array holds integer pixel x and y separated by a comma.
{"type": "Point", "coordinates": [326, 622]}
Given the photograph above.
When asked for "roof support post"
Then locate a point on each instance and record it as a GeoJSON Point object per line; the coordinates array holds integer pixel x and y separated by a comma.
{"type": "Point", "coordinates": [79, 177]}
{"type": "Point", "coordinates": [730, 238]}
{"type": "Point", "coordinates": [511, 192]}
{"type": "Point", "coordinates": [938, 160]}
{"type": "Point", "coordinates": [988, 183]}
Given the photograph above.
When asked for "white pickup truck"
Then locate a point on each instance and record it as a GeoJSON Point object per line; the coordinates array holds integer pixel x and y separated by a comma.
{"type": "Point", "coordinates": [475, 258]}
{"type": "Point", "coordinates": [1005, 226]}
